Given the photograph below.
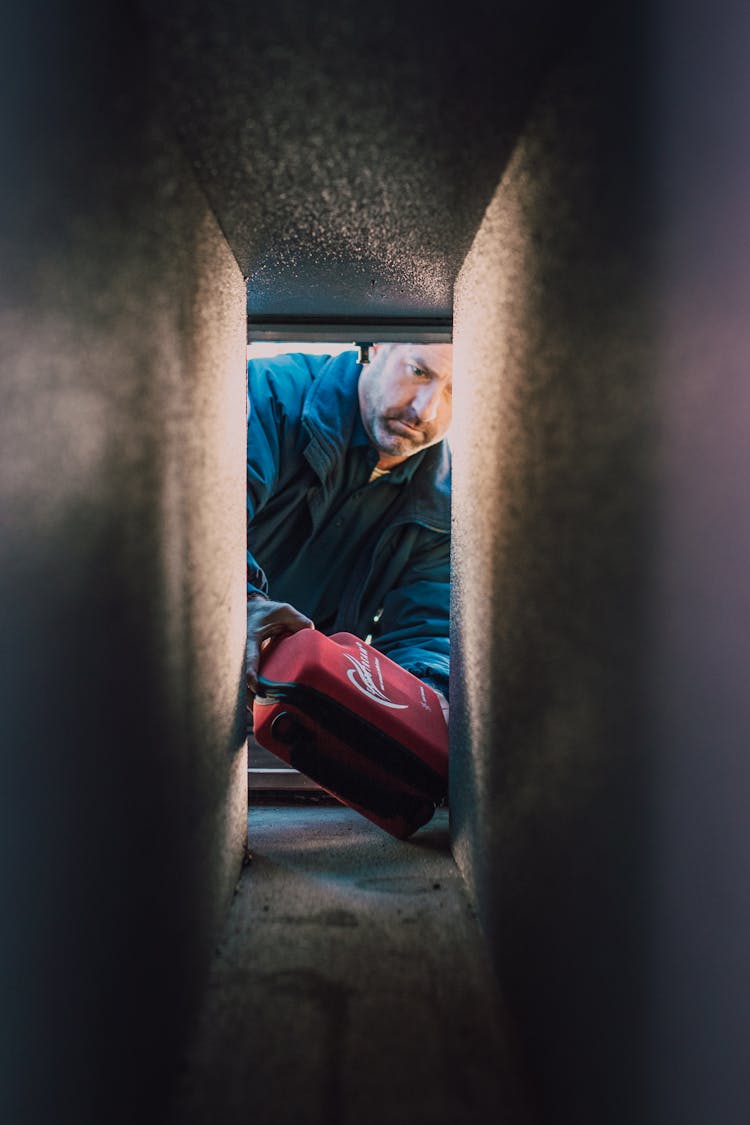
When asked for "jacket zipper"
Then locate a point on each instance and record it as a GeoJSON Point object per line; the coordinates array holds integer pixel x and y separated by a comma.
{"type": "Point", "coordinates": [352, 595]}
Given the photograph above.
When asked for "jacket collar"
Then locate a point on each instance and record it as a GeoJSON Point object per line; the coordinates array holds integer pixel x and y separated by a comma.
{"type": "Point", "coordinates": [329, 416]}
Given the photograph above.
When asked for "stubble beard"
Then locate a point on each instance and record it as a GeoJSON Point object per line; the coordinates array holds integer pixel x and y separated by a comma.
{"type": "Point", "coordinates": [396, 444]}
{"type": "Point", "coordinates": [387, 441]}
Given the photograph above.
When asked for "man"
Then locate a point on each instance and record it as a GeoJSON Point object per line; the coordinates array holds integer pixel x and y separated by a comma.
{"type": "Point", "coordinates": [348, 498]}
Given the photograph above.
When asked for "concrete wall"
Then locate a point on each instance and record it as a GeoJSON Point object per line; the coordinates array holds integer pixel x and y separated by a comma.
{"type": "Point", "coordinates": [121, 577]}
{"type": "Point", "coordinates": [602, 547]}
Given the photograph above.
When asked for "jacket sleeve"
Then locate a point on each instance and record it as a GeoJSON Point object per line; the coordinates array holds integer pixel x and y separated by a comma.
{"type": "Point", "coordinates": [414, 627]}
{"type": "Point", "coordinates": [275, 398]}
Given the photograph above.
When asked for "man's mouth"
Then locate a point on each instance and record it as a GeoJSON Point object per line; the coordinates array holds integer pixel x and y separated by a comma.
{"type": "Point", "coordinates": [405, 428]}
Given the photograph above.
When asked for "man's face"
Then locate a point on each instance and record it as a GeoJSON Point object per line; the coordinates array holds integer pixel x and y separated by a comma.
{"type": "Point", "coordinates": [405, 398]}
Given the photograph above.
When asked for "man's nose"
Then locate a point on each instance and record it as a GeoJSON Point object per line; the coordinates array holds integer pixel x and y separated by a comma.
{"type": "Point", "coordinates": [426, 402]}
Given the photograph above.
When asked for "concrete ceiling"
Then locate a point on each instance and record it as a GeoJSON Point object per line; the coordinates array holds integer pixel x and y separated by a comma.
{"type": "Point", "coordinates": [349, 157]}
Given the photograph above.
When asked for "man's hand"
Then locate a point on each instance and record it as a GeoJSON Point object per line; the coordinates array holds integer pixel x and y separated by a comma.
{"type": "Point", "coordinates": [265, 620]}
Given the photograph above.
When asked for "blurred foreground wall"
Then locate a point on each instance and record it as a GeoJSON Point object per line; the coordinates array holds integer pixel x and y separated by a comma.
{"type": "Point", "coordinates": [602, 547]}
{"type": "Point", "coordinates": [121, 576]}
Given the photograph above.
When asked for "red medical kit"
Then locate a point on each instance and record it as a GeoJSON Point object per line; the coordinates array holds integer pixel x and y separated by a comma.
{"type": "Point", "coordinates": [362, 727]}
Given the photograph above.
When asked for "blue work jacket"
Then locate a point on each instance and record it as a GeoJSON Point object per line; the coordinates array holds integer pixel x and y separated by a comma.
{"type": "Point", "coordinates": [302, 413]}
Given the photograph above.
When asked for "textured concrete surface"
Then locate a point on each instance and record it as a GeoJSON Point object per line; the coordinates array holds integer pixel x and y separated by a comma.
{"type": "Point", "coordinates": [352, 986]}
{"type": "Point", "coordinates": [349, 152]}
{"type": "Point", "coordinates": [600, 710]}
{"type": "Point", "coordinates": [552, 506]}
{"type": "Point", "coordinates": [600, 704]}
{"type": "Point", "coordinates": [121, 577]}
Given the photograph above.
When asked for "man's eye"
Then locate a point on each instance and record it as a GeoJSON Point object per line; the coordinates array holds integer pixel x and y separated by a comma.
{"type": "Point", "coordinates": [418, 371]}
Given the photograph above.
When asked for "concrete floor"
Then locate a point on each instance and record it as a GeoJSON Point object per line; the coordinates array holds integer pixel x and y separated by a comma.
{"type": "Point", "coordinates": [352, 986]}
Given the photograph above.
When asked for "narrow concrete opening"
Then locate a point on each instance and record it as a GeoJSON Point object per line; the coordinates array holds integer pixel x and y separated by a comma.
{"type": "Point", "coordinates": [352, 973]}
{"type": "Point", "coordinates": [575, 187]}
